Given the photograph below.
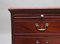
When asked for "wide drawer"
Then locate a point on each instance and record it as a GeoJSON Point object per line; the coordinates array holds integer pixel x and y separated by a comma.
{"type": "Point", "coordinates": [32, 40]}
{"type": "Point", "coordinates": [36, 27]}
{"type": "Point", "coordinates": [35, 15]}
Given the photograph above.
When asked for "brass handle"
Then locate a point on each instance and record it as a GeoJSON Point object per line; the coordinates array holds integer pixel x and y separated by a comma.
{"type": "Point", "coordinates": [46, 42]}
{"type": "Point", "coordinates": [42, 15]}
{"type": "Point", "coordinates": [41, 29]}
{"type": "Point", "coordinates": [37, 25]}
{"type": "Point", "coordinates": [37, 42]}
{"type": "Point", "coordinates": [46, 25]}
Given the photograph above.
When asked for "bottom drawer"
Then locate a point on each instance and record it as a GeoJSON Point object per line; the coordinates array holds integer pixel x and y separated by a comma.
{"type": "Point", "coordinates": [47, 40]}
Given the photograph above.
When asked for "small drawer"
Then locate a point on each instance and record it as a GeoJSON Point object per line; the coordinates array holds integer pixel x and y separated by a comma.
{"type": "Point", "coordinates": [36, 27]}
{"type": "Point", "coordinates": [37, 17]}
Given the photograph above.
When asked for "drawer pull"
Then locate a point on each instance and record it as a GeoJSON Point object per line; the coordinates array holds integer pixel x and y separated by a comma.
{"type": "Point", "coordinates": [42, 15]}
{"type": "Point", "coordinates": [46, 42]}
{"type": "Point", "coordinates": [37, 42]}
{"type": "Point", "coordinates": [41, 29]}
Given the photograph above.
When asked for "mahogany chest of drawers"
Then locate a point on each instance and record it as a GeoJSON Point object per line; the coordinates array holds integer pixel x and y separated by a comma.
{"type": "Point", "coordinates": [35, 26]}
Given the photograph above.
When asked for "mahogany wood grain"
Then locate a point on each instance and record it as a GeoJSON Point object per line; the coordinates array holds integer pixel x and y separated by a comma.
{"type": "Point", "coordinates": [24, 30]}
{"type": "Point", "coordinates": [29, 27]}
{"type": "Point", "coordinates": [19, 40]}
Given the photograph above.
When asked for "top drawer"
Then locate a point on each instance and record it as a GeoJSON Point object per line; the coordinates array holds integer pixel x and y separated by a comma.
{"type": "Point", "coordinates": [36, 17]}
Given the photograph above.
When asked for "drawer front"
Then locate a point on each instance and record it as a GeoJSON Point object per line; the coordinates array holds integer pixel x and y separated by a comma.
{"type": "Point", "coordinates": [36, 17]}
{"type": "Point", "coordinates": [26, 40]}
{"type": "Point", "coordinates": [36, 27]}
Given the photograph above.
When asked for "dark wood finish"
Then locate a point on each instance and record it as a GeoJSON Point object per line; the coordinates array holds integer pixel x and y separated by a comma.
{"type": "Point", "coordinates": [33, 40]}
{"type": "Point", "coordinates": [29, 27]}
{"type": "Point", "coordinates": [33, 11]}
{"type": "Point", "coordinates": [24, 30]}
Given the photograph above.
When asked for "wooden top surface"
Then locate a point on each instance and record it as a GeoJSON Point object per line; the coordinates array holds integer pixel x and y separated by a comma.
{"type": "Point", "coordinates": [34, 10]}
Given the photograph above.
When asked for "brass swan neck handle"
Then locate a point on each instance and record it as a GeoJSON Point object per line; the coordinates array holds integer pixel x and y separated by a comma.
{"type": "Point", "coordinates": [41, 29]}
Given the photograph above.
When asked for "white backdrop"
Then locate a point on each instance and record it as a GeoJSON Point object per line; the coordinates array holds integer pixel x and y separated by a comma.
{"type": "Point", "coordinates": [5, 20]}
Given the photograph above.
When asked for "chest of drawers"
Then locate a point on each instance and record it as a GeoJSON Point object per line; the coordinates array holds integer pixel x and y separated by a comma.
{"type": "Point", "coordinates": [35, 26]}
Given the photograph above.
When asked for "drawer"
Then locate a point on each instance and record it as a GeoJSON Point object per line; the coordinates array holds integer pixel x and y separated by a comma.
{"type": "Point", "coordinates": [36, 27]}
{"type": "Point", "coordinates": [36, 17]}
{"type": "Point", "coordinates": [36, 40]}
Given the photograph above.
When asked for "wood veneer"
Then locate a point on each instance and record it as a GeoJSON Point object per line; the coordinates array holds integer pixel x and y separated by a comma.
{"type": "Point", "coordinates": [24, 30]}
